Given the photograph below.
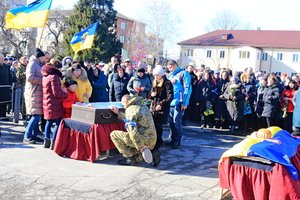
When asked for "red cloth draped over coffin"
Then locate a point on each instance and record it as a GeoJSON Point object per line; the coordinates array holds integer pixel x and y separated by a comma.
{"type": "Point", "coordinates": [249, 180]}
{"type": "Point", "coordinates": [83, 141]}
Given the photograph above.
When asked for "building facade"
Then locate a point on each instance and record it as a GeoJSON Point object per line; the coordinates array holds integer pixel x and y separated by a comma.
{"type": "Point", "coordinates": [270, 51]}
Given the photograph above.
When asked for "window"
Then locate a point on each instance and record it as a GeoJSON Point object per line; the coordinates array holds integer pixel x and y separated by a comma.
{"type": "Point", "coordinates": [244, 54]}
{"type": "Point", "coordinates": [279, 56]}
{"type": "Point", "coordinates": [264, 56]}
{"type": "Point", "coordinates": [122, 38]}
{"type": "Point", "coordinates": [295, 57]}
{"type": "Point", "coordinates": [222, 54]}
{"type": "Point", "coordinates": [123, 25]}
{"type": "Point", "coordinates": [208, 53]}
{"type": "Point", "coordinates": [190, 52]}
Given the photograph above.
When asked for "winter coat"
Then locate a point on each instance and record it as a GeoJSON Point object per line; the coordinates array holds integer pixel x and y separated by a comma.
{"type": "Point", "coordinates": [182, 86]}
{"type": "Point", "coordinates": [33, 93]}
{"type": "Point", "coordinates": [5, 80]}
{"type": "Point", "coordinates": [220, 103]}
{"type": "Point", "coordinates": [84, 85]}
{"type": "Point", "coordinates": [136, 83]}
{"type": "Point", "coordinates": [296, 114]}
{"type": "Point", "coordinates": [235, 106]}
{"type": "Point", "coordinates": [204, 94]}
{"type": "Point", "coordinates": [118, 87]}
{"type": "Point", "coordinates": [164, 96]}
{"type": "Point", "coordinates": [20, 76]}
{"type": "Point", "coordinates": [139, 114]}
{"type": "Point", "coordinates": [99, 84]}
{"type": "Point", "coordinates": [260, 100]}
{"type": "Point", "coordinates": [52, 92]}
{"type": "Point", "coordinates": [290, 93]}
{"type": "Point", "coordinates": [251, 92]}
{"type": "Point", "coordinates": [271, 100]}
{"type": "Point", "coordinates": [68, 102]}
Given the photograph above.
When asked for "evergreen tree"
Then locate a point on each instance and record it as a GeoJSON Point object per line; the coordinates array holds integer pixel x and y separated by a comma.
{"type": "Point", "coordinates": [86, 13]}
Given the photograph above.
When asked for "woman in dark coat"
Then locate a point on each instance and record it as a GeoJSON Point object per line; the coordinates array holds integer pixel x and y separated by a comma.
{"type": "Point", "coordinates": [118, 85]}
{"type": "Point", "coordinates": [235, 95]}
{"type": "Point", "coordinates": [99, 85]}
{"type": "Point", "coordinates": [271, 100]}
{"type": "Point", "coordinates": [204, 96]}
{"type": "Point", "coordinates": [52, 99]}
{"type": "Point", "coordinates": [161, 95]}
{"type": "Point", "coordinates": [221, 113]}
{"type": "Point", "coordinates": [259, 106]}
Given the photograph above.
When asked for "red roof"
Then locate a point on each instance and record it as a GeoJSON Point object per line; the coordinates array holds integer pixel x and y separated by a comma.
{"type": "Point", "coordinates": [254, 38]}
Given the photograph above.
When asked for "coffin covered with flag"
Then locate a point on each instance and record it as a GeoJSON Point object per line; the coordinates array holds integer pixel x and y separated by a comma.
{"type": "Point", "coordinates": [96, 113]}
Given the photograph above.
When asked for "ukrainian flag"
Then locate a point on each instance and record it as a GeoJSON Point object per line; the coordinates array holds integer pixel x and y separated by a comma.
{"type": "Point", "coordinates": [33, 15]}
{"type": "Point", "coordinates": [84, 39]}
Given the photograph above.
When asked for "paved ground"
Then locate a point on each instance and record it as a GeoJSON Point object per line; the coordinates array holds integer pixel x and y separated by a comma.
{"type": "Point", "coordinates": [32, 172]}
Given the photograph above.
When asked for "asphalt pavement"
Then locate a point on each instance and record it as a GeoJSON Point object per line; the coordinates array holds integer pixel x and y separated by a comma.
{"type": "Point", "coordinates": [191, 172]}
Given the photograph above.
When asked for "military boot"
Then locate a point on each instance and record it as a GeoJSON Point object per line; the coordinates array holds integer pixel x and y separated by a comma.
{"type": "Point", "coordinates": [127, 161]}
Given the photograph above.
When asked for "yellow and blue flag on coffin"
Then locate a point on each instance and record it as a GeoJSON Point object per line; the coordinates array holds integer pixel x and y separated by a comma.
{"type": "Point", "coordinates": [84, 39]}
{"type": "Point", "coordinates": [33, 15]}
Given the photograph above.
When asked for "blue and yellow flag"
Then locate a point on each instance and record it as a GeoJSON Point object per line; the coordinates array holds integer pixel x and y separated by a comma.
{"type": "Point", "coordinates": [84, 39]}
{"type": "Point", "coordinates": [33, 15]}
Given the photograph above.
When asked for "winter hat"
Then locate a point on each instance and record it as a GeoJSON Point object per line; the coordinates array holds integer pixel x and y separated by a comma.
{"type": "Point", "coordinates": [70, 82]}
{"type": "Point", "coordinates": [38, 53]}
{"type": "Point", "coordinates": [141, 70]}
{"type": "Point", "coordinates": [158, 70]}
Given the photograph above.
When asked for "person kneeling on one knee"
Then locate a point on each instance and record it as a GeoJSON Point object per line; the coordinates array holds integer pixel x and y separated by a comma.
{"type": "Point", "coordinates": [140, 137]}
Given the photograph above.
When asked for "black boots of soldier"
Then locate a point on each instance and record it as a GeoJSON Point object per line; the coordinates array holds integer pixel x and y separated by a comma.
{"type": "Point", "coordinates": [127, 161]}
{"type": "Point", "coordinates": [156, 157]}
{"type": "Point", "coordinates": [130, 161]}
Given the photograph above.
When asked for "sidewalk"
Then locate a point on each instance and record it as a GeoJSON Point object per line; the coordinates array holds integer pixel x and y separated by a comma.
{"type": "Point", "coordinates": [32, 172]}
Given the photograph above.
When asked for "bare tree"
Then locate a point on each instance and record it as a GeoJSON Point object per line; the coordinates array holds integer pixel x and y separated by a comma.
{"type": "Point", "coordinates": [162, 26]}
{"type": "Point", "coordinates": [227, 20]}
{"type": "Point", "coordinates": [15, 41]}
{"type": "Point", "coordinates": [56, 25]}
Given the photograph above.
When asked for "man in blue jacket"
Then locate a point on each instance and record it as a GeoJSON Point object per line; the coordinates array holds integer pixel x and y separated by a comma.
{"type": "Point", "coordinates": [181, 81]}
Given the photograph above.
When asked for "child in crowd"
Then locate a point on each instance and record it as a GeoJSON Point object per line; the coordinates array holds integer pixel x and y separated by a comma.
{"type": "Point", "coordinates": [71, 86]}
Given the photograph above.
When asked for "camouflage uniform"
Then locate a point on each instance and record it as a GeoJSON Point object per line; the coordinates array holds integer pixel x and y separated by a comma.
{"type": "Point", "coordinates": [129, 143]}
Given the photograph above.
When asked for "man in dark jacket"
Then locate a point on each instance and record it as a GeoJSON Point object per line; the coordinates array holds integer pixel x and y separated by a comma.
{"type": "Point", "coordinates": [5, 85]}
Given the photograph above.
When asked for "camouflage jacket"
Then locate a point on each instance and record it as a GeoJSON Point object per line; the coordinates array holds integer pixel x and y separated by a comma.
{"type": "Point", "coordinates": [139, 119]}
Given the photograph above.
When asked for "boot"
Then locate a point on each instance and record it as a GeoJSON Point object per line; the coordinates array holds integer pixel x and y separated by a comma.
{"type": "Point", "coordinates": [52, 143]}
{"type": "Point", "coordinates": [127, 161]}
{"type": "Point", "coordinates": [156, 157]}
{"type": "Point", "coordinates": [46, 143]}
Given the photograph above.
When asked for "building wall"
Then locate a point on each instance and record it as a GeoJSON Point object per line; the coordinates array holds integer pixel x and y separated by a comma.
{"type": "Point", "coordinates": [234, 61]}
{"type": "Point", "coordinates": [124, 33]}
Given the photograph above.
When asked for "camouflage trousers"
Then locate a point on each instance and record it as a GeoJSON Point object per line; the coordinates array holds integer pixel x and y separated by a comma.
{"type": "Point", "coordinates": [129, 144]}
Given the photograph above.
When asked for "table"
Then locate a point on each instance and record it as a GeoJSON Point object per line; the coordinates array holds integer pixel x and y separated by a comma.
{"type": "Point", "coordinates": [82, 141]}
{"type": "Point", "coordinates": [249, 180]}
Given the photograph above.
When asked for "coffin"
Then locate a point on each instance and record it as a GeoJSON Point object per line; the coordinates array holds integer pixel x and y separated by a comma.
{"type": "Point", "coordinates": [96, 113]}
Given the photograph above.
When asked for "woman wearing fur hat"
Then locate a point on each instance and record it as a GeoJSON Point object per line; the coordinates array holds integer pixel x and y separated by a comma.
{"type": "Point", "coordinates": [84, 89]}
{"type": "Point", "coordinates": [161, 95]}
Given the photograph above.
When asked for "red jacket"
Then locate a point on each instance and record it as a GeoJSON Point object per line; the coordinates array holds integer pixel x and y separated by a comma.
{"type": "Point", "coordinates": [52, 93]}
{"type": "Point", "coordinates": [290, 93]}
{"type": "Point", "coordinates": [68, 102]}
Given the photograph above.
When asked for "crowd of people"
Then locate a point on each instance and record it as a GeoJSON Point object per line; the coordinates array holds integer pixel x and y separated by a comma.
{"type": "Point", "coordinates": [217, 99]}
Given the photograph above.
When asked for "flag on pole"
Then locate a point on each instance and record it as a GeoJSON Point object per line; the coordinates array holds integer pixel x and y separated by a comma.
{"type": "Point", "coordinates": [84, 39]}
{"type": "Point", "coordinates": [33, 15]}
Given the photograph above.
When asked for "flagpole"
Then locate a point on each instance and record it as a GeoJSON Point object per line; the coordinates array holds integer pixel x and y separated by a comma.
{"type": "Point", "coordinates": [38, 46]}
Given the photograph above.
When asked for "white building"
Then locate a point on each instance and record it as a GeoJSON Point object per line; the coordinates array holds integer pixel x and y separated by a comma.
{"type": "Point", "coordinates": [270, 51]}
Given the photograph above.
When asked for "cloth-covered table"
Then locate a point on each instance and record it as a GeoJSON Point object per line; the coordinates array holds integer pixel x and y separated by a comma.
{"type": "Point", "coordinates": [82, 141]}
{"type": "Point", "coordinates": [249, 180]}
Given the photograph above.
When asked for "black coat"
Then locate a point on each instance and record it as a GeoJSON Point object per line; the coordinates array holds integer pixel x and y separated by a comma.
{"type": "Point", "coordinates": [271, 98]}
{"type": "Point", "coordinates": [118, 87]}
{"type": "Point", "coordinates": [235, 107]}
{"type": "Point", "coordinates": [5, 80]}
{"type": "Point", "coordinates": [204, 93]}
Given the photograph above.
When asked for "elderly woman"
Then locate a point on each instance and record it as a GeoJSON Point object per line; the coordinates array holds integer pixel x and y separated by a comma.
{"type": "Point", "coordinates": [78, 74]}
{"type": "Point", "coordinates": [271, 99]}
{"type": "Point", "coordinates": [140, 84]}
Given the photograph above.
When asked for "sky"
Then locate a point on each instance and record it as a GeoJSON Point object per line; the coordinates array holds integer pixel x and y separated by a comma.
{"type": "Point", "coordinates": [196, 14]}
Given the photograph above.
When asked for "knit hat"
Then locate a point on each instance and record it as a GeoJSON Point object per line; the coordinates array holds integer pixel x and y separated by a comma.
{"type": "Point", "coordinates": [141, 70]}
{"type": "Point", "coordinates": [158, 70]}
{"type": "Point", "coordinates": [70, 82]}
{"type": "Point", "coordinates": [38, 53]}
